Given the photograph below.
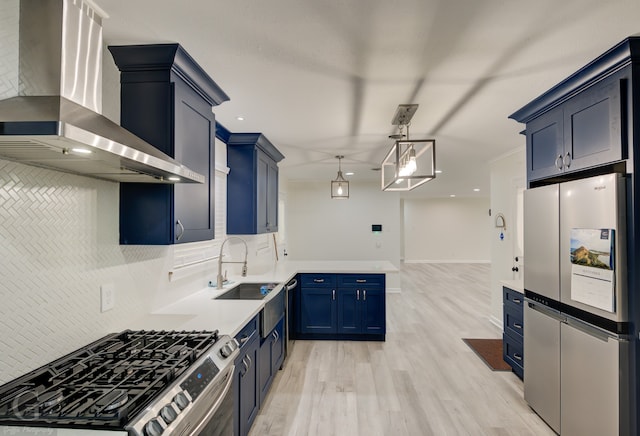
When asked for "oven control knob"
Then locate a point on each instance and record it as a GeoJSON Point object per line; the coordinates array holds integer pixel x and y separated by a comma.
{"type": "Point", "coordinates": [153, 428]}
{"type": "Point", "coordinates": [228, 348]}
{"type": "Point", "coordinates": [168, 413]}
{"type": "Point", "coordinates": [181, 400]}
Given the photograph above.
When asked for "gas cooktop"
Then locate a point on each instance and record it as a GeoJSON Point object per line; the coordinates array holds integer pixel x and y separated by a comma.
{"type": "Point", "coordinates": [105, 384]}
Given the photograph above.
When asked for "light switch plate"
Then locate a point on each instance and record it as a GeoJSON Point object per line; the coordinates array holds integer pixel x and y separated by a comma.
{"type": "Point", "coordinates": [107, 297]}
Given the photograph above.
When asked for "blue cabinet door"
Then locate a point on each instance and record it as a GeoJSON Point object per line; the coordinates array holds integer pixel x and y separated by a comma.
{"type": "Point", "coordinates": [318, 310]}
{"type": "Point", "coordinates": [271, 358]}
{"type": "Point", "coordinates": [247, 398]}
{"type": "Point", "coordinates": [194, 139]}
{"type": "Point", "coordinates": [373, 311]}
{"type": "Point", "coordinates": [173, 113]}
{"type": "Point", "coordinates": [349, 311]}
{"type": "Point", "coordinates": [545, 145]}
{"type": "Point", "coordinates": [252, 184]}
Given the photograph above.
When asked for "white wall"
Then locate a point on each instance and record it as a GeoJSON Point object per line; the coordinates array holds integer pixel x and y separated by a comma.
{"type": "Point", "coordinates": [508, 177]}
{"type": "Point", "coordinates": [446, 230]}
{"type": "Point", "coordinates": [319, 228]}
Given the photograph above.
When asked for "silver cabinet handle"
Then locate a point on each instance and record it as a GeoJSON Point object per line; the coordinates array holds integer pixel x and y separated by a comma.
{"type": "Point", "coordinates": [318, 280]}
{"type": "Point", "coordinates": [559, 162]}
{"type": "Point", "coordinates": [249, 365]}
{"type": "Point", "coordinates": [518, 326]}
{"type": "Point", "coordinates": [181, 230]}
{"type": "Point", "coordinates": [517, 356]}
{"type": "Point", "coordinates": [244, 340]}
{"type": "Point", "coordinates": [333, 294]}
{"type": "Point", "coordinates": [357, 294]}
{"type": "Point", "coordinates": [517, 300]}
{"type": "Point", "coordinates": [361, 281]}
{"type": "Point", "coordinates": [566, 160]}
{"type": "Point", "coordinates": [246, 366]}
{"type": "Point", "coordinates": [364, 295]}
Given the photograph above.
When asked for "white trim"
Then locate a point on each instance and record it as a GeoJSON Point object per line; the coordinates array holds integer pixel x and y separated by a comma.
{"type": "Point", "coordinates": [446, 261]}
{"type": "Point", "coordinates": [496, 322]}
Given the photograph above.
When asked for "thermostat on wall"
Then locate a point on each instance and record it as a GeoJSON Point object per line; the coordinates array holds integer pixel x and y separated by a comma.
{"type": "Point", "coordinates": [376, 227]}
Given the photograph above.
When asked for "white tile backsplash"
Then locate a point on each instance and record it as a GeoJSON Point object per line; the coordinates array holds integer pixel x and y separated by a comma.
{"type": "Point", "coordinates": [59, 243]}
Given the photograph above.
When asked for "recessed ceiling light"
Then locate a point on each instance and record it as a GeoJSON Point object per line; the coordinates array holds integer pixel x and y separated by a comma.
{"type": "Point", "coordinates": [452, 195]}
{"type": "Point", "coordinates": [438, 171]}
{"type": "Point", "coordinates": [81, 150]}
{"type": "Point", "coordinates": [240, 118]}
{"type": "Point", "coordinates": [349, 173]}
{"type": "Point", "coordinates": [476, 189]}
{"type": "Point", "coordinates": [174, 178]}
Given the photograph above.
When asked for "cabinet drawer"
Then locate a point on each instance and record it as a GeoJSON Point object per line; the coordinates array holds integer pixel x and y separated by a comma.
{"type": "Point", "coordinates": [513, 298]}
{"type": "Point", "coordinates": [513, 321]}
{"type": "Point", "coordinates": [248, 331]}
{"type": "Point", "coordinates": [317, 280]}
{"type": "Point", "coordinates": [368, 280]}
{"type": "Point", "coordinates": [512, 354]}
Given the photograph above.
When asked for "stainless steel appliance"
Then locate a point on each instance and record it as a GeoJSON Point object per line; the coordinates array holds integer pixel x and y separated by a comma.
{"type": "Point", "coordinates": [130, 383]}
{"type": "Point", "coordinates": [53, 119]}
{"type": "Point", "coordinates": [289, 321]}
{"type": "Point", "coordinates": [576, 319]}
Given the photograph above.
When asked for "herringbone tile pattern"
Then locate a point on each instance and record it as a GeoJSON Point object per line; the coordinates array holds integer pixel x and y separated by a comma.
{"type": "Point", "coordinates": [58, 243]}
{"type": "Point", "coordinates": [9, 13]}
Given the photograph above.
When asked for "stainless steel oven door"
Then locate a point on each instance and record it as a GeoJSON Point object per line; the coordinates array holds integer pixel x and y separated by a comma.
{"type": "Point", "coordinates": [218, 420]}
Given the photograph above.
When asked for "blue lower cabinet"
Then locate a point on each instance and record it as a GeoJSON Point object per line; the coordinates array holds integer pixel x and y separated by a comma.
{"type": "Point", "coordinates": [342, 306]}
{"type": "Point", "coordinates": [318, 310]}
{"type": "Point", "coordinates": [247, 398]}
{"type": "Point", "coordinates": [373, 312]}
{"type": "Point", "coordinates": [271, 358]}
{"type": "Point", "coordinates": [349, 311]}
{"type": "Point", "coordinates": [513, 329]}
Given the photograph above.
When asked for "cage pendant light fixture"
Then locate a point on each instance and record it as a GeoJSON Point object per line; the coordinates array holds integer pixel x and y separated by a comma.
{"type": "Point", "coordinates": [410, 163]}
{"type": "Point", "coordinates": [339, 186]}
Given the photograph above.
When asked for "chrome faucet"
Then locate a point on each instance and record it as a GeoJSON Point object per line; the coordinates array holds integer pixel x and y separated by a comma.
{"type": "Point", "coordinates": [219, 278]}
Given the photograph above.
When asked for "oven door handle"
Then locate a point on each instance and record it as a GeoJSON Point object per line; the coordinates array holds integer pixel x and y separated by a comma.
{"type": "Point", "coordinates": [196, 430]}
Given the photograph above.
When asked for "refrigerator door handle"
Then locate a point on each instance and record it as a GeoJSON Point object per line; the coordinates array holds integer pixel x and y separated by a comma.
{"type": "Point", "coordinates": [552, 313]}
{"type": "Point", "coordinates": [591, 330]}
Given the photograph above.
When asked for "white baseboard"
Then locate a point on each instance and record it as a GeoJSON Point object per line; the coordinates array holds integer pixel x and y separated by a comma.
{"type": "Point", "coordinates": [496, 322]}
{"type": "Point", "coordinates": [447, 261]}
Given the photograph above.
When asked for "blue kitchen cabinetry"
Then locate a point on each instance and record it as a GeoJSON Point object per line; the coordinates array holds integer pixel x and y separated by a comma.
{"type": "Point", "coordinates": [246, 392]}
{"type": "Point", "coordinates": [317, 304]}
{"type": "Point", "coordinates": [252, 184]}
{"type": "Point", "coordinates": [167, 100]}
{"type": "Point", "coordinates": [271, 357]}
{"type": "Point", "coordinates": [513, 329]}
{"type": "Point", "coordinates": [577, 131]}
{"type": "Point", "coordinates": [342, 306]}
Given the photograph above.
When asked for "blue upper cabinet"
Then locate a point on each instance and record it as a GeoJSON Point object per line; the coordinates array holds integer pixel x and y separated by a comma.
{"type": "Point", "coordinates": [252, 184]}
{"type": "Point", "coordinates": [582, 123]}
{"type": "Point", "coordinates": [167, 100]}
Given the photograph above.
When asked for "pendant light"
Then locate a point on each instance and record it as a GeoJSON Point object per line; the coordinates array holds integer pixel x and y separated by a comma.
{"type": "Point", "coordinates": [410, 163]}
{"type": "Point", "coordinates": [339, 186]}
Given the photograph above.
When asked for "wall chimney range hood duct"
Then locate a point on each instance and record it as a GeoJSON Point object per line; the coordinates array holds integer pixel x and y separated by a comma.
{"type": "Point", "coordinates": [53, 119]}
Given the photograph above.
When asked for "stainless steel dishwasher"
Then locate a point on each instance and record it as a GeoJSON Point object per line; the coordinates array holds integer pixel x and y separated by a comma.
{"type": "Point", "coordinates": [290, 289]}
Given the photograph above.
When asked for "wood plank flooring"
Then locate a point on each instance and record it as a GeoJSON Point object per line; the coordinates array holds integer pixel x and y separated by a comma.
{"type": "Point", "coordinates": [424, 380]}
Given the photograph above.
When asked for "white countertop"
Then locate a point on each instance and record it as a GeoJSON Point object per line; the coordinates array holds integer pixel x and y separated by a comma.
{"type": "Point", "coordinates": [516, 285]}
{"type": "Point", "coordinates": [201, 311]}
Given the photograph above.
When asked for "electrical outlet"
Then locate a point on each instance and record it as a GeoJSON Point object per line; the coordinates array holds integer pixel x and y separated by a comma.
{"type": "Point", "coordinates": [107, 297]}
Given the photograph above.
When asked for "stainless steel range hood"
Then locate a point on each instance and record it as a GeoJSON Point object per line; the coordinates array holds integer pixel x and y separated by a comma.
{"type": "Point", "coordinates": [54, 119]}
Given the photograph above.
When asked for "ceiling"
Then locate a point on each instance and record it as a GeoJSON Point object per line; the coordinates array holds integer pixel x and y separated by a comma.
{"type": "Point", "coordinates": [322, 78]}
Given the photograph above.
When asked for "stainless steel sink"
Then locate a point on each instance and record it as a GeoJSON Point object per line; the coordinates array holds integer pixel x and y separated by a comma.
{"type": "Point", "coordinates": [247, 291]}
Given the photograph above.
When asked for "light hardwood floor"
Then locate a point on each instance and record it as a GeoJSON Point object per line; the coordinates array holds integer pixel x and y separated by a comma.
{"type": "Point", "coordinates": [424, 380]}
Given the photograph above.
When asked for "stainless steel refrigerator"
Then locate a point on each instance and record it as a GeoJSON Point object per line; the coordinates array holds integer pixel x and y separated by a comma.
{"type": "Point", "coordinates": [575, 316]}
